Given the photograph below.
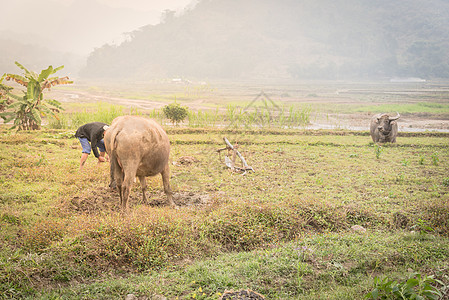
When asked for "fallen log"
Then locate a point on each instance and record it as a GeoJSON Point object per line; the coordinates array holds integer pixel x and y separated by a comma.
{"type": "Point", "coordinates": [230, 163]}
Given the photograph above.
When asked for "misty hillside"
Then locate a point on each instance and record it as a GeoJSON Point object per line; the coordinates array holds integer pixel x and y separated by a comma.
{"type": "Point", "coordinates": [64, 33]}
{"type": "Point", "coordinates": [327, 39]}
{"type": "Point", "coordinates": [69, 26]}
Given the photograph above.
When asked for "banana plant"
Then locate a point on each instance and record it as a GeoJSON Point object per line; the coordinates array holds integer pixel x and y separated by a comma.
{"type": "Point", "coordinates": [4, 99]}
{"type": "Point", "coordinates": [27, 110]}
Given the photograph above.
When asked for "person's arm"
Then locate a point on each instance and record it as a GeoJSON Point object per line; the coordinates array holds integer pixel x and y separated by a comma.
{"type": "Point", "coordinates": [93, 143]}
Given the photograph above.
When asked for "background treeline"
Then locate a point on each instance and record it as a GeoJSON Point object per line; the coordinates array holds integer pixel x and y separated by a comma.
{"type": "Point", "coordinates": [307, 39]}
{"type": "Point", "coordinates": [239, 39]}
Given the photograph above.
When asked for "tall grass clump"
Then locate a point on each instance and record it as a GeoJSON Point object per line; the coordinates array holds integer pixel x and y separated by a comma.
{"type": "Point", "coordinates": [148, 239]}
{"type": "Point", "coordinates": [296, 117]}
{"type": "Point", "coordinates": [156, 115]}
{"type": "Point", "coordinates": [203, 118]}
{"type": "Point", "coordinates": [104, 113]}
{"type": "Point", "coordinates": [267, 117]}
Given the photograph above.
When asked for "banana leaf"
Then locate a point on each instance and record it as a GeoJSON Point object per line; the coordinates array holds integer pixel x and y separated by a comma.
{"type": "Point", "coordinates": [17, 78]}
{"type": "Point", "coordinates": [45, 110]}
{"type": "Point", "coordinates": [54, 103]}
{"type": "Point", "coordinates": [31, 90]}
{"type": "Point", "coordinates": [7, 116]}
{"type": "Point", "coordinates": [45, 73]}
{"type": "Point", "coordinates": [16, 104]}
{"type": "Point", "coordinates": [36, 116]}
{"type": "Point", "coordinates": [15, 97]}
{"type": "Point", "coordinates": [29, 74]}
{"type": "Point", "coordinates": [58, 68]}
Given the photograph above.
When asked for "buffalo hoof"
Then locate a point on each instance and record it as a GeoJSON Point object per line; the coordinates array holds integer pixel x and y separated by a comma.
{"type": "Point", "coordinates": [172, 204]}
{"type": "Point", "coordinates": [113, 185]}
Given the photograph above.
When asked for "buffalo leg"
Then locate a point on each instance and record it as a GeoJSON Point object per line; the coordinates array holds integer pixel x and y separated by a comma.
{"type": "Point", "coordinates": [119, 187]}
{"type": "Point", "coordinates": [143, 184]}
{"type": "Point", "coordinates": [126, 188]}
{"type": "Point", "coordinates": [118, 176]}
{"type": "Point", "coordinates": [113, 183]}
{"type": "Point", "coordinates": [166, 181]}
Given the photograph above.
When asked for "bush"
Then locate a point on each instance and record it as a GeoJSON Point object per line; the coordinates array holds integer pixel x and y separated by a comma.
{"type": "Point", "coordinates": [175, 112]}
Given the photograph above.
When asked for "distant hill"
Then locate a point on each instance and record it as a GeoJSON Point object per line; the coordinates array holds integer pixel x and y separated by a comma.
{"type": "Point", "coordinates": [76, 26]}
{"type": "Point", "coordinates": [63, 33]}
{"type": "Point", "coordinates": [307, 39]}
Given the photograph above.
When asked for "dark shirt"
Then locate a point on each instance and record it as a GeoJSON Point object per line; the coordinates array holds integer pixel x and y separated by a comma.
{"type": "Point", "coordinates": [93, 132]}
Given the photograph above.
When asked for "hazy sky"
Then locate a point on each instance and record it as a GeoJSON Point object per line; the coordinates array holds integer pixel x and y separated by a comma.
{"type": "Point", "coordinates": [147, 5]}
{"type": "Point", "coordinates": [79, 26]}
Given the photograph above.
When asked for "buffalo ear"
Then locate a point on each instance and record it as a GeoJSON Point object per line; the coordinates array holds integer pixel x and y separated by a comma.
{"type": "Point", "coordinates": [392, 122]}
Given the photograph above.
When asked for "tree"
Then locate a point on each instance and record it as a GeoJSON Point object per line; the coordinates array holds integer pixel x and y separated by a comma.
{"type": "Point", "coordinates": [26, 110]}
{"type": "Point", "coordinates": [175, 112]}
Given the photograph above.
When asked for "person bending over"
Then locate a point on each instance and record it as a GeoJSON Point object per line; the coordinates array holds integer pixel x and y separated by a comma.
{"type": "Point", "coordinates": [93, 133]}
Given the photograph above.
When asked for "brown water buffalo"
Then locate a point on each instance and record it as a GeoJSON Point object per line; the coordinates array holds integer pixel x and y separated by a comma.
{"type": "Point", "coordinates": [384, 128]}
{"type": "Point", "coordinates": [137, 147]}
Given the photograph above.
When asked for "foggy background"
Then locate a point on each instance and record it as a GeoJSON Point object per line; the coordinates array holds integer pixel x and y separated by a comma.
{"type": "Point", "coordinates": [78, 26]}
{"type": "Point", "coordinates": [228, 39]}
{"type": "Point", "coordinates": [64, 32]}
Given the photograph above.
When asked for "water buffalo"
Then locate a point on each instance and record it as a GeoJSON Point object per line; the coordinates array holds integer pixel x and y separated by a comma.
{"type": "Point", "coordinates": [137, 147]}
{"type": "Point", "coordinates": [384, 128]}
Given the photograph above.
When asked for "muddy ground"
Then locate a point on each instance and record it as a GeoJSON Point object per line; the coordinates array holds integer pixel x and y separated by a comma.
{"type": "Point", "coordinates": [101, 199]}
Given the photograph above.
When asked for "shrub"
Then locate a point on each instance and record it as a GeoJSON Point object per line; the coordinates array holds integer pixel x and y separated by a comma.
{"type": "Point", "coordinates": [175, 112]}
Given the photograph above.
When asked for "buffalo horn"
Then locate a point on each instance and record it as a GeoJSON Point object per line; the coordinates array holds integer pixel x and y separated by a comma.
{"type": "Point", "coordinates": [394, 118]}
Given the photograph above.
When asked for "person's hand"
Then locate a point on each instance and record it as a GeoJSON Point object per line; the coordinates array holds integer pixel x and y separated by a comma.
{"type": "Point", "coordinates": [101, 159]}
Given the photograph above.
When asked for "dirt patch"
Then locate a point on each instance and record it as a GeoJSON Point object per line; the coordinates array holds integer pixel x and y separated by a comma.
{"type": "Point", "coordinates": [93, 201]}
{"type": "Point", "coordinates": [103, 199]}
{"type": "Point", "coordinates": [185, 160]}
{"type": "Point", "coordinates": [183, 199]}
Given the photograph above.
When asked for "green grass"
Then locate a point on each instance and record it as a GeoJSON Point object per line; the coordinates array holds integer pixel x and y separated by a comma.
{"type": "Point", "coordinates": [62, 236]}
{"type": "Point", "coordinates": [335, 266]}
{"type": "Point", "coordinates": [100, 112]}
{"type": "Point", "coordinates": [408, 108]}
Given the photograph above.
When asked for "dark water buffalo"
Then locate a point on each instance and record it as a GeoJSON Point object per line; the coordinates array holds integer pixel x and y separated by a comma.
{"type": "Point", "coordinates": [384, 128]}
{"type": "Point", "coordinates": [137, 147]}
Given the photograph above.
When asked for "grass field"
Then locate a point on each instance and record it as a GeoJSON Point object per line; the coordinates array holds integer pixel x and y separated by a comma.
{"type": "Point", "coordinates": [283, 231]}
